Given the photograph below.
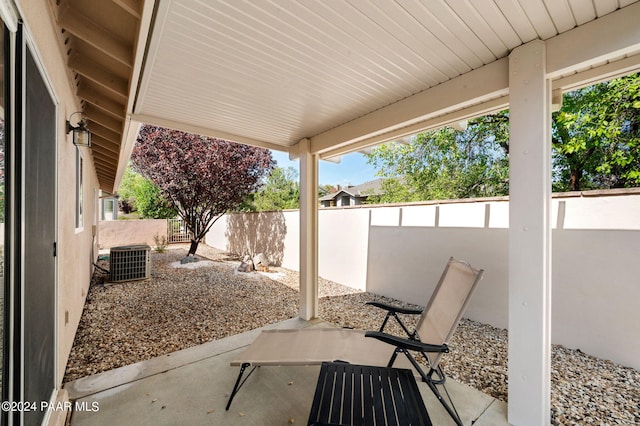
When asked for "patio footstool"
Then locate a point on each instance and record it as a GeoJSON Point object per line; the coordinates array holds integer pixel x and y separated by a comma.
{"type": "Point", "coordinates": [348, 394]}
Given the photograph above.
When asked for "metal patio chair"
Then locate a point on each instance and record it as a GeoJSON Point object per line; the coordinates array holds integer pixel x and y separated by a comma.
{"type": "Point", "coordinates": [428, 341]}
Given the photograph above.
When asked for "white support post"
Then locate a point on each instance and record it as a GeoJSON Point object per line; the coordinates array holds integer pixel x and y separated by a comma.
{"type": "Point", "coordinates": [529, 237]}
{"type": "Point", "coordinates": [308, 231]}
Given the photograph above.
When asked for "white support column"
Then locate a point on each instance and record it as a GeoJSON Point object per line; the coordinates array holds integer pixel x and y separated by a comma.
{"type": "Point", "coordinates": [308, 231]}
{"type": "Point", "coordinates": [529, 237]}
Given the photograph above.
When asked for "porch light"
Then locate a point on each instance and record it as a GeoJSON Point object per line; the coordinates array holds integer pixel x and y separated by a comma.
{"type": "Point", "coordinates": [81, 135]}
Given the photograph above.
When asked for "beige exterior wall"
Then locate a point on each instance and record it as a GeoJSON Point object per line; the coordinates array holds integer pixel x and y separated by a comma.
{"type": "Point", "coordinates": [75, 246]}
{"type": "Point", "coordinates": [113, 233]}
{"type": "Point", "coordinates": [399, 251]}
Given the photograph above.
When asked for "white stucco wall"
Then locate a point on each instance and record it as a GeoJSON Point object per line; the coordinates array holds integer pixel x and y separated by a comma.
{"type": "Point", "coordinates": [400, 251]}
{"type": "Point", "coordinates": [342, 247]}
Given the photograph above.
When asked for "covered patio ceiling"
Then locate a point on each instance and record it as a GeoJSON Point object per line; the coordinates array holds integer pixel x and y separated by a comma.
{"type": "Point", "coordinates": [319, 79]}
{"type": "Point", "coordinates": [349, 74]}
{"type": "Point", "coordinates": [343, 74]}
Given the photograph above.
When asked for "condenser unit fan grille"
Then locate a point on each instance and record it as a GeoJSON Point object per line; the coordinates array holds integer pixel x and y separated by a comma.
{"type": "Point", "coordinates": [129, 263]}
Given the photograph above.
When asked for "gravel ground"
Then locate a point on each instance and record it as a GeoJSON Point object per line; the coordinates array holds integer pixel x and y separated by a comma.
{"type": "Point", "coordinates": [177, 308]}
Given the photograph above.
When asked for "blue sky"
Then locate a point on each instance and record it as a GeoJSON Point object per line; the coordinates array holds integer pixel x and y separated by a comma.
{"type": "Point", "coordinates": [353, 169]}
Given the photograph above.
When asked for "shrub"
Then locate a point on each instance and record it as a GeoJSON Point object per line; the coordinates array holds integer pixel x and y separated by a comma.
{"type": "Point", "coordinates": [161, 243]}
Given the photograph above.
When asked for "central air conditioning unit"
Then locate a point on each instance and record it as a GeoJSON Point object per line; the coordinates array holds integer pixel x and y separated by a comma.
{"type": "Point", "coordinates": [129, 263]}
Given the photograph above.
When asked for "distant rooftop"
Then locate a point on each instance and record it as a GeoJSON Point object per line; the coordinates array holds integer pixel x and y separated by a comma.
{"type": "Point", "coordinates": [373, 187]}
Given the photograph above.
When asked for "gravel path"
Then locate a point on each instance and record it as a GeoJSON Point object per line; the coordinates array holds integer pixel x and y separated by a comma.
{"type": "Point", "coordinates": [182, 307]}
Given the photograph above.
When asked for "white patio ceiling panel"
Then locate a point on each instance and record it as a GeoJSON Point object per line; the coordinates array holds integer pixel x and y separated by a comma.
{"type": "Point", "coordinates": [274, 72]}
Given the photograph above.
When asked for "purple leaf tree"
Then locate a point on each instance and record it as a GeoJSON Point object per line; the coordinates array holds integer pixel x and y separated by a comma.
{"type": "Point", "coordinates": [202, 177]}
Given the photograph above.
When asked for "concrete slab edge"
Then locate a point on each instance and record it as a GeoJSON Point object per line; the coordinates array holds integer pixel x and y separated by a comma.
{"type": "Point", "coordinates": [90, 385]}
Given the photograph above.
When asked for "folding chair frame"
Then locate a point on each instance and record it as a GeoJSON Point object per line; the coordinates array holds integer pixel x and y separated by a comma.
{"type": "Point", "coordinates": [413, 344]}
{"type": "Point", "coordinates": [240, 381]}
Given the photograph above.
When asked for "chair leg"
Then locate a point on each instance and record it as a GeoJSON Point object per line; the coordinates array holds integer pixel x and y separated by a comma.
{"type": "Point", "coordinates": [428, 379]}
{"type": "Point", "coordinates": [451, 409]}
{"type": "Point", "coordinates": [240, 382]}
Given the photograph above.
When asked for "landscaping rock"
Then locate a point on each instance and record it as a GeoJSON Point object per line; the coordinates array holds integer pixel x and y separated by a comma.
{"type": "Point", "coordinates": [134, 321]}
{"type": "Point", "coordinates": [261, 263]}
{"type": "Point", "coordinates": [246, 265]}
{"type": "Point", "coordinates": [188, 259]}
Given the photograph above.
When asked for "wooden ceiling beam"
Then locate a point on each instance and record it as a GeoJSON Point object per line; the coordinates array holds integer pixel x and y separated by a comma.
{"type": "Point", "coordinates": [105, 152]}
{"type": "Point", "coordinates": [90, 32]}
{"type": "Point", "coordinates": [103, 175]}
{"type": "Point", "coordinates": [108, 134]}
{"type": "Point", "coordinates": [104, 165]}
{"type": "Point", "coordinates": [108, 81]}
{"type": "Point", "coordinates": [113, 147]}
{"type": "Point", "coordinates": [131, 6]}
{"type": "Point", "coordinates": [99, 117]}
{"type": "Point", "coordinates": [106, 158]}
{"type": "Point", "coordinates": [107, 105]}
{"type": "Point", "coordinates": [104, 183]}
{"type": "Point", "coordinates": [104, 179]}
{"type": "Point", "coordinates": [105, 186]}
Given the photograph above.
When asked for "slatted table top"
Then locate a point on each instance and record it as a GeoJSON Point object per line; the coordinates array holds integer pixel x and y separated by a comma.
{"type": "Point", "coordinates": [348, 394]}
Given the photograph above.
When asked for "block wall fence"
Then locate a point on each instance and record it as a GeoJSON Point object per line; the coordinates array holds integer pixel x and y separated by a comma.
{"type": "Point", "coordinates": [399, 251]}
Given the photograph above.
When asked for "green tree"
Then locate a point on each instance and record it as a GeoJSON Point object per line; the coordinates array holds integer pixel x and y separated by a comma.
{"type": "Point", "coordinates": [145, 196]}
{"type": "Point", "coordinates": [595, 140]}
{"type": "Point", "coordinates": [126, 191]}
{"type": "Point", "coordinates": [280, 191]}
{"type": "Point", "coordinates": [596, 137]}
{"type": "Point", "coordinates": [326, 189]}
{"type": "Point", "coordinates": [447, 163]}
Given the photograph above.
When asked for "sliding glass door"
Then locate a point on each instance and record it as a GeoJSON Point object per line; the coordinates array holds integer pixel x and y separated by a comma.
{"type": "Point", "coordinates": [4, 293]}
{"type": "Point", "coordinates": [28, 172]}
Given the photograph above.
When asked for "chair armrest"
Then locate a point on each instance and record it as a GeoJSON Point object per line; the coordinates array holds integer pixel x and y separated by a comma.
{"type": "Point", "coordinates": [396, 309]}
{"type": "Point", "coordinates": [401, 342]}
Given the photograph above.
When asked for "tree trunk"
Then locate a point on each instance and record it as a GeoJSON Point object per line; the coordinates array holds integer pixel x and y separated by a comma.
{"type": "Point", "coordinates": [194, 247]}
{"type": "Point", "coordinates": [574, 178]}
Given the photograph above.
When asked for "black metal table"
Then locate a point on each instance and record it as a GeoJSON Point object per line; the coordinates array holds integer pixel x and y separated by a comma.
{"type": "Point", "coordinates": [348, 394]}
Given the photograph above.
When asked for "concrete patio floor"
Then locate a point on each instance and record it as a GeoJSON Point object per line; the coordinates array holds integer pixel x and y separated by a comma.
{"type": "Point", "coordinates": [192, 386]}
